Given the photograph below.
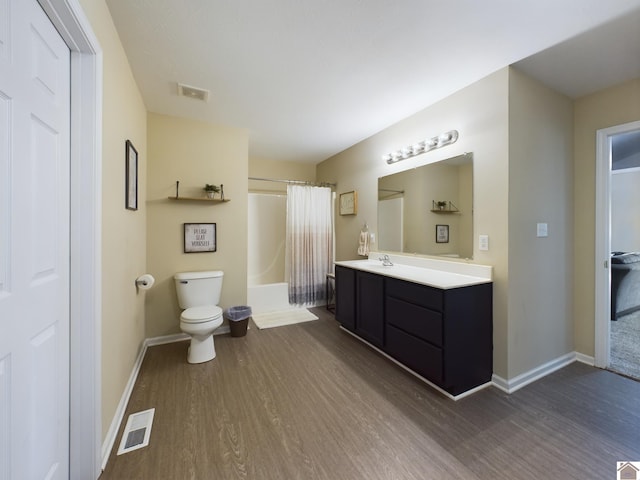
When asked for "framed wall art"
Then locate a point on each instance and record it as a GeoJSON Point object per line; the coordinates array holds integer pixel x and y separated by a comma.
{"type": "Point", "coordinates": [131, 181]}
{"type": "Point", "coordinates": [199, 237]}
{"type": "Point", "coordinates": [349, 203]}
{"type": "Point", "coordinates": [442, 233]}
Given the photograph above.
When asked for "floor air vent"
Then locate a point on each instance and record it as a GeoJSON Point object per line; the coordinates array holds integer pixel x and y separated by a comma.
{"type": "Point", "coordinates": [137, 431]}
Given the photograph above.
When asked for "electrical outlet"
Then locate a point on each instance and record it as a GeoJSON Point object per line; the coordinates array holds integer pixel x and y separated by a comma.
{"type": "Point", "coordinates": [542, 230]}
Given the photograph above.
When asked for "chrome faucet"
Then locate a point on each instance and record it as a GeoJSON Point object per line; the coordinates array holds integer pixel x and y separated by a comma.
{"type": "Point", "coordinates": [386, 262]}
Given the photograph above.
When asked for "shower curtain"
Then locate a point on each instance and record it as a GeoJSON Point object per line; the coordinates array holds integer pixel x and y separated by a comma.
{"type": "Point", "coordinates": [309, 251]}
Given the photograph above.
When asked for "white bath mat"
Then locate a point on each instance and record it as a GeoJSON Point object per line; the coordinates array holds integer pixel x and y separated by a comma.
{"type": "Point", "coordinates": [282, 317]}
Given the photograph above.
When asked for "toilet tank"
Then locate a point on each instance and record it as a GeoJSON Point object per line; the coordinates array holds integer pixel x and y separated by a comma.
{"type": "Point", "coordinates": [196, 289]}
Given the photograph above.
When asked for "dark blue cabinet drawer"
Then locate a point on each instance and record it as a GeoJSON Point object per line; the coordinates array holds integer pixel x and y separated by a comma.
{"type": "Point", "coordinates": [420, 356]}
{"type": "Point", "coordinates": [422, 295]}
{"type": "Point", "coordinates": [419, 321]}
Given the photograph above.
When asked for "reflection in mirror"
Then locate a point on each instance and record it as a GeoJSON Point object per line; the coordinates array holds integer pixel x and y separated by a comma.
{"type": "Point", "coordinates": [428, 210]}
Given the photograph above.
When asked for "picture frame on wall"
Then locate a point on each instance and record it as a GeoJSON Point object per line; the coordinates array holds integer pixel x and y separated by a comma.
{"type": "Point", "coordinates": [349, 203]}
{"type": "Point", "coordinates": [442, 233]}
{"type": "Point", "coordinates": [131, 176]}
{"type": "Point", "coordinates": [199, 237]}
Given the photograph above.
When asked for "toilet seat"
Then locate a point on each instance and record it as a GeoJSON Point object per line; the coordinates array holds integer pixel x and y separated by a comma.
{"type": "Point", "coordinates": [202, 314]}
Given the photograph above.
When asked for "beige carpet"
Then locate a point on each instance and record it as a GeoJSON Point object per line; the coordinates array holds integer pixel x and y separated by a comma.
{"type": "Point", "coordinates": [282, 317]}
{"type": "Point", "coordinates": [625, 345]}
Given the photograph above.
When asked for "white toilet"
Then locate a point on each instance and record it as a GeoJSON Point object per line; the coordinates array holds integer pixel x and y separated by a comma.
{"type": "Point", "coordinates": [198, 295]}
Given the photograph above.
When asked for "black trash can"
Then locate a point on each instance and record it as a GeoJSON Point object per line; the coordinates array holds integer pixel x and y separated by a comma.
{"type": "Point", "coordinates": [238, 319]}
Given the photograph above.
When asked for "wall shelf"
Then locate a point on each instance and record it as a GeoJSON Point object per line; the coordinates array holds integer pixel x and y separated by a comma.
{"type": "Point", "coordinates": [201, 199]}
{"type": "Point", "coordinates": [445, 211]}
{"type": "Point", "coordinates": [443, 207]}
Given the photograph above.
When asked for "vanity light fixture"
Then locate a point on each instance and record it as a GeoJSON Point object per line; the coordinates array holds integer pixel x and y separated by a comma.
{"type": "Point", "coordinates": [432, 143]}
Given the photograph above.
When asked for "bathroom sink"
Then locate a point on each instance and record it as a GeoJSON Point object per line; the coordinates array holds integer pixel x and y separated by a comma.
{"type": "Point", "coordinates": [369, 264]}
{"type": "Point", "coordinates": [426, 276]}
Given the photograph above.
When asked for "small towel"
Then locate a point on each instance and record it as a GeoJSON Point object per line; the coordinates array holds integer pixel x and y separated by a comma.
{"type": "Point", "coordinates": [363, 244]}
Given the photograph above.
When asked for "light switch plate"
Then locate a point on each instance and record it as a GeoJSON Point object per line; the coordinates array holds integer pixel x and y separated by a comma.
{"type": "Point", "coordinates": [542, 230]}
{"type": "Point", "coordinates": [483, 243]}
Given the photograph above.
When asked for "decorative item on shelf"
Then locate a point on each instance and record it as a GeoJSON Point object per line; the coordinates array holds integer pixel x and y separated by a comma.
{"type": "Point", "coordinates": [211, 190]}
{"type": "Point", "coordinates": [442, 206]}
{"type": "Point", "coordinates": [209, 198]}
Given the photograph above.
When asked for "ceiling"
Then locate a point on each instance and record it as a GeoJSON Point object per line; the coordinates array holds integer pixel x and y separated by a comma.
{"type": "Point", "coordinates": [310, 78]}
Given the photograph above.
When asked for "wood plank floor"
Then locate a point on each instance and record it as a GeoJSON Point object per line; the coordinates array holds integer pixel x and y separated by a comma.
{"type": "Point", "coordinates": [309, 401]}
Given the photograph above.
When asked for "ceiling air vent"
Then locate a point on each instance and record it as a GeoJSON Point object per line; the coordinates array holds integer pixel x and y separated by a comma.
{"type": "Point", "coordinates": [193, 92]}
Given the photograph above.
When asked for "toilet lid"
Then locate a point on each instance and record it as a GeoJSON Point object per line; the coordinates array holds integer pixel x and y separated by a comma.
{"type": "Point", "coordinates": [205, 313]}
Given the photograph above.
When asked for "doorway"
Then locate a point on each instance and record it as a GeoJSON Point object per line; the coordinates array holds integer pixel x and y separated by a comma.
{"type": "Point", "coordinates": [606, 242]}
{"type": "Point", "coordinates": [85, 433]}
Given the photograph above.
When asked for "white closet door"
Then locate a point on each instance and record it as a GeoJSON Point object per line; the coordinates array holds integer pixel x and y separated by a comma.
{"type": "Point", "coordinates": [34, 244]}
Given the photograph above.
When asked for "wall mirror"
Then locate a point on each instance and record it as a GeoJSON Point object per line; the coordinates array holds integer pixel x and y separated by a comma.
{"type": "Point", "coordinates": [428, 210]}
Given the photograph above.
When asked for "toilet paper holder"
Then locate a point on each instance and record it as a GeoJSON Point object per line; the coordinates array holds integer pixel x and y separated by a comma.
{"type": "Point", "coordinates": [144, 282]}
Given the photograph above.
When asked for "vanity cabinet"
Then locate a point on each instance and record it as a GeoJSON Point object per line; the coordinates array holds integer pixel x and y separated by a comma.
{"type": "Point", "coordinates": [370, 307]}
{"type": "Point", "coordinates": [444, 335]}
{"type": "Point", "coordinates": [360, 303]}
{"type": "Point", "coordinates": [345, 297]}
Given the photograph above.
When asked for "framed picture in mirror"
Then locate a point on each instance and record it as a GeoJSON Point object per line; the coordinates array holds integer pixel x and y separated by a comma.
{"type": "Point", "coordinates": [442, 233]}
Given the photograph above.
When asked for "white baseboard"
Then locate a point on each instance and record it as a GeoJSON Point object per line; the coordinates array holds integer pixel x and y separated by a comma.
{"type": "Point", "coordinates": [516, 383]}
{"type": "Point", "coordinates": [586, 359]}
{"type": "Point", "coordinates": [176, 337]}
{"type": "Point", "coordinates": [110, 439]}
{"type": "Point", "coordinates": [181, 337]}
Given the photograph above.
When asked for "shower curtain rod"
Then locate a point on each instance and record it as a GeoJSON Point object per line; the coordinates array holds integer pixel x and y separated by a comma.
{"type": "Point", "coordinates": [295, 182]}
{"type": "Point", "coordinates": [392, 194]}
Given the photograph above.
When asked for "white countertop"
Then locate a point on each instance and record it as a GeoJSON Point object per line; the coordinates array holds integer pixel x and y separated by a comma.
{"type": "Point", "coordinates": [435, 277]}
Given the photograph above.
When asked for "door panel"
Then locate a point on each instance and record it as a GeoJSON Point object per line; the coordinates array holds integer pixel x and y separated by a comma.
{"type": "Point", "coordinates": [34, 244]}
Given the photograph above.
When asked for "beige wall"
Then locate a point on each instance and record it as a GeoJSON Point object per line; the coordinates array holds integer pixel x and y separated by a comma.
{"type": "Point", "coordinates": [123, 231]}
{"type": "Point", "coordinates": [480, 113]}
{"type": "Point", "coordinates": [194, 153]}
{"type": "Point", "coordinates": [520, 134]}
{"type": "Point", "coordinates": [613, 106]}
{"type": "Point", "coordinates": [540, 191]}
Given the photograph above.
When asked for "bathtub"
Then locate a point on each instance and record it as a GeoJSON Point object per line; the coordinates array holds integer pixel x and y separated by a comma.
{"type": "Point", "coordinates": [268, 298]}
